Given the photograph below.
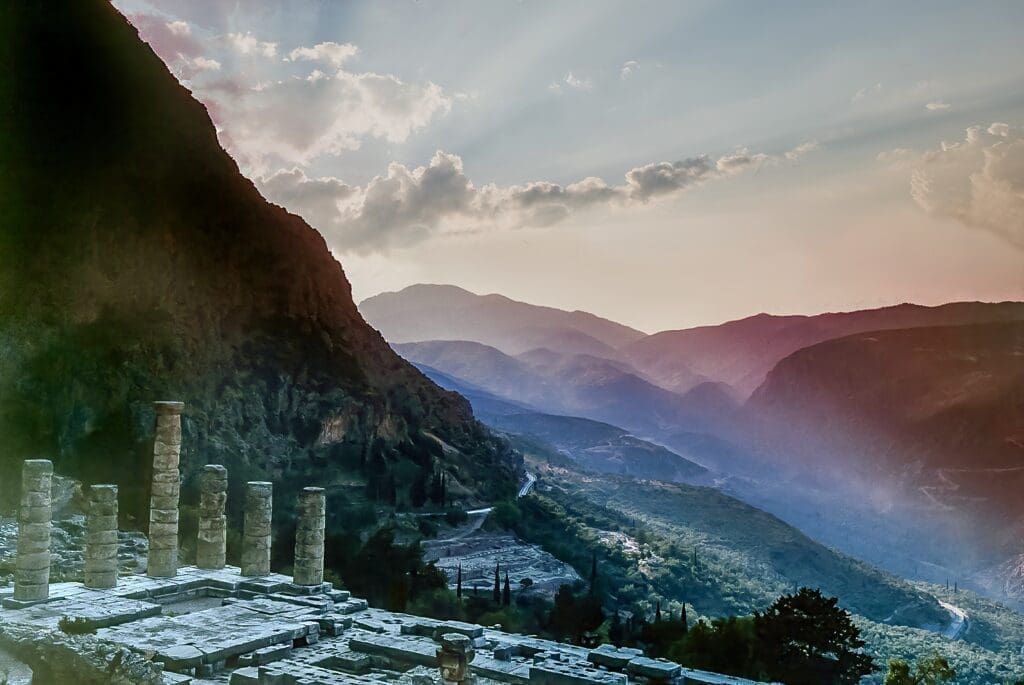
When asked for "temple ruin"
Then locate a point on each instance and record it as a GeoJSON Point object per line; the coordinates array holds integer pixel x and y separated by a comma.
{"type": "Point", "coordinates": [215, 623]}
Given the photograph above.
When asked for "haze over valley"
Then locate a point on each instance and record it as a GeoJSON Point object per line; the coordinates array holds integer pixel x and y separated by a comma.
{"type": "Point", "coordinates": [911, 415]}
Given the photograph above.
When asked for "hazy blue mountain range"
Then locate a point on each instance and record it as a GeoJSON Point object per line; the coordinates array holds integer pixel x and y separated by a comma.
{"type": "Point", "coordinates": [445, 312]}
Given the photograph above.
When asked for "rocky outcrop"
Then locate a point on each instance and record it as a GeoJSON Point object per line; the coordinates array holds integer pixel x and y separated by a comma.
{"type": "Point", "coordinates": [56, 657]}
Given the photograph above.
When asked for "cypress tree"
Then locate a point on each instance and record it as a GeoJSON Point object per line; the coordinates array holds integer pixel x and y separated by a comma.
{"type": "Point", "coordinates": [593, 572]}
{"type": "Point", "coordinates": [506, 594]}
{"type": "Point", "coordinates": [682, 617]}
{"type": "Point", "coordinates": [657, 612]}
{"type": "Point", "coordinates": [497, 583]}
{"type": "Point", "coordinates": [615, 629]}
{"type": "Point", "coordinates": [458, 584]}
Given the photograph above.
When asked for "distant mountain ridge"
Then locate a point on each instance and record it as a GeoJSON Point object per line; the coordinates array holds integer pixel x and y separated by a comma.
{"type": "Point", "coordinates": [445, 312]}
{"type": "Point", "coordinates": [571, 384]}
{"type": "Point", "coordinates": [741, 353]}
{"type": "Point", "coordinates": [593, 445]}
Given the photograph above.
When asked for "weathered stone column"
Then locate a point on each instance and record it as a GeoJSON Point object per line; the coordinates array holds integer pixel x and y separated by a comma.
{"type": "Point", "coordinates": [256, 528]}
{"type": "Point", "coordinates": [213, 495]}
{"type": "Point", "coordinates": [163, 499]}
{"type": "Point", "coordinates": [32, 565]}
{"type": "Point", "coordinates": [309, 537]}
{"type": "Point", "coordinates": [101, 537]}
{"type": "Point", "coordinates": [453, 657]}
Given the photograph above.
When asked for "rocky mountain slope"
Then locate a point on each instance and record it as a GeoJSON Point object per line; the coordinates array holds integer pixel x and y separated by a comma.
{"type": "Point", "coordinates": [939, 410]}
{"type": "Point", "coordinates": [136, 263]}
{"type": "Point", "coordinates": [445, 312]}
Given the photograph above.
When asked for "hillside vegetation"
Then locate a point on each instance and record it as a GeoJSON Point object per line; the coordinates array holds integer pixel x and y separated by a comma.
{"type": "Point", "coordinates": [672, 543]}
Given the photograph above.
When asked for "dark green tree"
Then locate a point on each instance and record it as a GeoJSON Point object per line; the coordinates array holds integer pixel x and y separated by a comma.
{"type": "Point", "coordinates": [899, 673]}
{"type": "Point", "coordinates": [616, 633]}
{"type": "Point", "coordinates": [418, 489]}
{"type": "Point", "coordinates": [458, 583]}
{"type": "Point", "coordinates": [805, 638]}
{"type": "Point", "coordinates": [932, 670]}
{"type": "Point", "coordinates": [497, 584]}
{"type": "Point", "coordinates": [725, 645]}
{"type": "Point", "coordinates": [572, 615]}
{"type": "Point", "coordinates": [506, 593]}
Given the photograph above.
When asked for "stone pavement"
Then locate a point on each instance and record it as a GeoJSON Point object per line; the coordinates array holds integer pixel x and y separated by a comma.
{"type": "Point", "coordinates": [270, 631]}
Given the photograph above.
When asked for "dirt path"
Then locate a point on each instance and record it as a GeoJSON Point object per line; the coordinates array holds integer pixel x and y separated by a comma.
{"type": "Point", "coordinates": [959, 623]}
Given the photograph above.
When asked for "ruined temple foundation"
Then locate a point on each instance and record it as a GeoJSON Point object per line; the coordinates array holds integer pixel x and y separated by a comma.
{"type": "Point", "coordinates": [166, 487]}
{"type": "Point", "coordinates": [213, 494]}
{"type": "Point", "coordinates": [256, 528]}
{"type": "Point", "coordinates": [309, 537]}
{"type": "Point", "coordinates": [32, 565]}
{"type": "Point", "coordinates": [101, 538]}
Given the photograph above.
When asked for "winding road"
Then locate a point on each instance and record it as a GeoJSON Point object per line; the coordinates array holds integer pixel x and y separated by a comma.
{"type": "Point", "coordinates": [481, 514]}
{"type": "Point", "coordinates": [958, 623]}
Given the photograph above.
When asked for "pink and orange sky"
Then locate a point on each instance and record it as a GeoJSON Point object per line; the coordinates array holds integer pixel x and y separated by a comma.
{"type": "Point", "coordinates": [661, 164]}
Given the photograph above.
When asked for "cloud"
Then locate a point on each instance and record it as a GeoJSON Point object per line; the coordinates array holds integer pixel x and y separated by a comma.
{"type": "Point", "coordinates": [179, 28]}
{"type": "Point", "coordinates": [205, 64]}
{"type": "Point", "coordinates": [937, 106]}
{"type": "Point", "coordinates": [573, 81]}
{"type": "Point", "coordinates": [628, 69]}
{"type": "Point", "coordinates": [300, 118]}
{"type": "Point", "coordinates": [247, 44]}
{"type": "Point", "coordinates": [405, 206]}
{"type": "Point", "coordinates": [174, 42]}
{"type": "Point", "coordinates": [332, 53]}
{"type": "Point", "coordinates": [268, 119]}
{"type": "Point", "coordinates": [864, 92]}
{"type": "Point", "coordinates": [979, 181]}
{"type": "Point", "coordinates": [801, 150]}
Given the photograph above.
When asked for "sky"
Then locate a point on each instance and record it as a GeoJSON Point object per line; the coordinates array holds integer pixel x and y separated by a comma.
{"type": "Point", "coordinates": [662, 164]}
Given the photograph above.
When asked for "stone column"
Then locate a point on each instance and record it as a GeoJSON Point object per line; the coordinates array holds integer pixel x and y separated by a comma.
{"type": "Point", "coordinates": [213, 495]}
{"type": "Point", "coordinates": [101, 537]}
{"type": "Point", "coordinates": [309, 537]}
{"type": "Point", "coordinates": [453, 657]}
{"type": "Point", "coordinates": [32, 565]}
{"type": "Point", "coordinates": [256, 529]}
{"type": "Point", "coordinates": [163, 499]}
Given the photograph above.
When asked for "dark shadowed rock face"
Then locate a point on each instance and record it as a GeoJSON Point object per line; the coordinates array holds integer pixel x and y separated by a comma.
{"type": "Point", "coordinates": [136, 263]}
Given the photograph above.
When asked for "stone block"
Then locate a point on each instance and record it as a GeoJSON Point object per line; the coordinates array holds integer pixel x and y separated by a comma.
{"type": "Point", "coordinates": [658, 670]}
{"type": "Point", "coordinates": [613, 657]}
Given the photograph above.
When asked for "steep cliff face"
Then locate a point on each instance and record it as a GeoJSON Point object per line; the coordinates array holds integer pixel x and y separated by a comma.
{"type": "Point", "coordinates": [136, 262]}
